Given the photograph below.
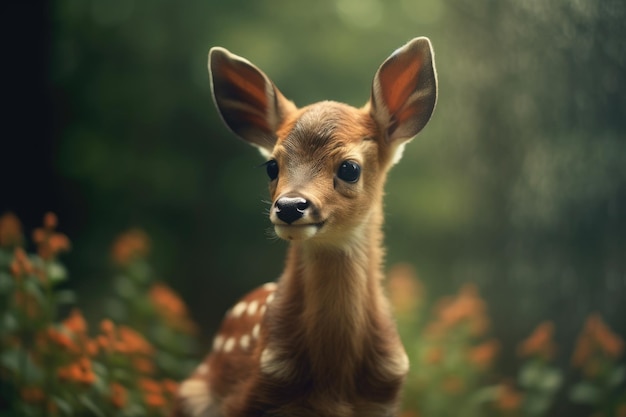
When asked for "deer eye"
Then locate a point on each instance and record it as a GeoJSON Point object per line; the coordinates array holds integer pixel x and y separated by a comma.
{"type": "Point", "coordinates": [349, 171]}
{"type": "Point", "coordinates": [272, 169]}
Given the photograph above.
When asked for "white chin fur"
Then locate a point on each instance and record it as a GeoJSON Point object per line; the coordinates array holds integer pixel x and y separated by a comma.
{"type": "Point", "coordinates": [296, 232]}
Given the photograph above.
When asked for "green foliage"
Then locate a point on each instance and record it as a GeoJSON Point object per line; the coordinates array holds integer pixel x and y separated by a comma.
{"type": "Point", "coordinates": [518, 184]}
{"type": "Point", "coordinates": [453, 360]}
{"type": "Point", "coordinates": [53, 367]}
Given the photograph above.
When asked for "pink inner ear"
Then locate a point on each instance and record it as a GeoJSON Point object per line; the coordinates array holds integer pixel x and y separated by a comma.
{"type": "Point", "coordinates": [249, 85]}
{"type": "Point", "coordinates": [398, 82]}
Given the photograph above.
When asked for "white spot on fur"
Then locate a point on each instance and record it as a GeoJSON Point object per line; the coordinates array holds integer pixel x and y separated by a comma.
{"type": "Point", "coordinates": [256, 330]}
{"type": "Point", "coordinates": [218, 342]}
{"type": "Point", "coordinates": [397, 365]}
{"type": "Point", "coordinates": [264, 152]}
{"type": "Point", "coordinates": [262, 309]}
{"type": "Point", "coordinates": [195, 397]}
{"type": "Point", "coordinates": [244, 342]}
{"type": "Point", "coordinates": [398, 152]}
{"type": "Point", "coordinates": [202, 369]}
{"type": "Point", "coordinates": [269, 298]}
{"type": "Point", "coordinates": [302, 232]}
{"type": "Point", "coordinates": [239, 309]}
{"type": "Point", "coordinates": [229, 344]}
{"type": "Point", "coordinates": [252, 307]}
{"type": "Point", "coordinates": [272, 365]}
{"type": "Point", "coordinates": [270, 286]}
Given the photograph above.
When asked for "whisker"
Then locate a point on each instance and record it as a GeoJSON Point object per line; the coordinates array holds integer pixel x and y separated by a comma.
{"type": "Point", "coordinates": [271, 234]}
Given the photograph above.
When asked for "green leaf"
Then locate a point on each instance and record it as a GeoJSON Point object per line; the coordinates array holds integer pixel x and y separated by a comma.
{"type": "Point", "coordinates": [551, 380]}
{"type": "Point", "coordinates": [135, 410]}
{"type": "Point", "coordinates": [33, 287]}
{"type": "Point", "coordinates": [537, 405]}
{"type": "Point", "coordinates": [485, 395]}
{"type": "Point", "coordinates": [65, 407]}
{"type": "Point", "coordinates": [100, 385]}
{"type": "Point", "coordinates": [140, 271]}
{"type": "Point", "coordinates": [65, 297]}
{"type": "Point", "coordinates": [6, 257]}
{"type": "Point", "coordinates": [122, 375]}
{"type": "Point", "coordinates": [20, 363]}
{"type": "Point", "coordinates": [530, 375]}
{"type": "Point", "coordinates": [125, 288]}
{"type": "Point", "coordinates": [11, 360]}
{"type": "Point", "coordinates": [540, 377]}
{"type": "Point", "coordinates": [56, 272]}
{"type": "Point", "coordinates": [9, 322]}
{"type": "Point", "coordinates": [89, 405]}
{"type": "Point", "coordinates": [7, 283]}
{"type": "Point", "coordinates": [616, 376]}
{"type": "Point", "coordinates": [116, 309]}
{"type": "Point", "coordinates": [585, 393]}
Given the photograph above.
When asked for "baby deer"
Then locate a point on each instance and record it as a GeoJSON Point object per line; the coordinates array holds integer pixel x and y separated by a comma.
{"type": "Point", "coordinates": [320, 342]}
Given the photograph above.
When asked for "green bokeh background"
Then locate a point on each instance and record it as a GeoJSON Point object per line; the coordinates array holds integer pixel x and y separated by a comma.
{"type": "Point", "coordinates": [517, 184]}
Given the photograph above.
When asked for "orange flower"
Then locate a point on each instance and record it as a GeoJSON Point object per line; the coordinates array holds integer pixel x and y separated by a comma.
{"type": "Point", "coordinates": [509, 399]}
{"type": "Point", "coordinates": [170, 306]}
{"type": "Point", "coordinates": [33, 395]}
{"type": "Point", "coordinates": [104, 343]}
{"type": "Point", "coordinates": [483, 355]}
{"type": "Point", "coordinates": [107, 327]}
{"type": "Point", "coordinates": [76, 323]}
{"type": "Point", "coordinates": [57, 243]}
{"type": "Point", "coordinates": [154, 400]}
{"type": "Point", "coordinates": [152, 393]}
{"type": "Point", "coordinates": [21, 265]}
{"type": "Point", "coordinates": [539, 343]}
{"type": "Point", "coordinates": [106, 340]}
{"type": "Point", "coordinates": [596, 339]}
{"type": "Point", "coordinates": [27, 303]}
{"type": "Point", "coordinates": [10, 231]}
{"type": "Point", "coordinates": [453, 385]}
{"type": "Point", "coordinates": [170, 387]}
{"type": "Point", "coordinates": [130, 246]}
{"type": "Point", "coordinates": [49, 243]}
{"type": "Point", "coordinates": [50, 221]}
{"type": "Point", "coordinates": [130, 341]}
{"type": "Point", "coordinates": [143, 365]}
{"type": "Point", "coordinates": [434, 355]}
{"type": "Point", "coordinates": [609, 342]}
{"type": "Point", "coordinates": [92, 347]}
{"type": "Point", "coordinates": [149, 385]}
{"type": "Point", "coordinates": [79, 371]}
{"type": "Point", "coordinates": [62, 340]}
{"type": "Point", "coordinates": [466, 308]}
{"type": "Point", "coordinates": [119, 395]}
{"type": "Point", "coordinates": [405, 290]}
{"type": "Point", "coordinates": [122, 339]}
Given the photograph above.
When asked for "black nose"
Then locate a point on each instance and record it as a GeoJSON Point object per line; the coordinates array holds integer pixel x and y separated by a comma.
{"type": "Point", "coordinates": [290, 209]}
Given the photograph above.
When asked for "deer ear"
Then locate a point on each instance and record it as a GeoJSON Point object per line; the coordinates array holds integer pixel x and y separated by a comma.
{"type": "Point", "coordinates": [404, 91]}
{"type": "Point", "coordinates": [247, 100]}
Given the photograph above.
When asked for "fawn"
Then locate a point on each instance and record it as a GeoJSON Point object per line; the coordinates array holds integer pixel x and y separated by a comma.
{"type": "Point", "coordinates": [321, 341]}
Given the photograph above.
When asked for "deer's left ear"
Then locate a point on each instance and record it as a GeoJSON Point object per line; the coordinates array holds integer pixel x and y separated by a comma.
{"type": "Point", "coordinates": [404, 91]}
{"type": "Point", "coordinates": [248, 101]}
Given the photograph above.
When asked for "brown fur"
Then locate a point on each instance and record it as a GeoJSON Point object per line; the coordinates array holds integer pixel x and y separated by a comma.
{"type": "Point", "coordinates": [326, 346]}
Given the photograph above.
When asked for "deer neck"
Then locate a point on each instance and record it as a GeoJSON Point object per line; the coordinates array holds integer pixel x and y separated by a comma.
{"type": "Point", "coordinates": [336, 291]}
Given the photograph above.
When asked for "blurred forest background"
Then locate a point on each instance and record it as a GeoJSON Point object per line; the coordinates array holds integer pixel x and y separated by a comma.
{"type": "Point", "coordinates": [518, 184]}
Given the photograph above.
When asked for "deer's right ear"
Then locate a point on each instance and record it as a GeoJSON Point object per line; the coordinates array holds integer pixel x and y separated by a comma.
{"type": "Point", "coordinates": [247, 100]}
{"type": "Point", "coordinates": [404, 91]}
